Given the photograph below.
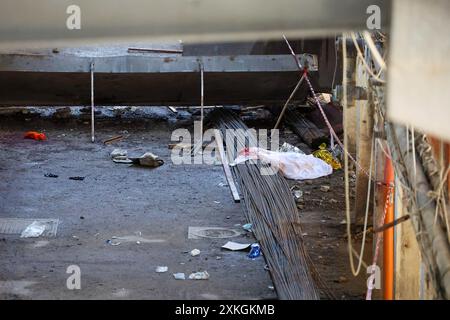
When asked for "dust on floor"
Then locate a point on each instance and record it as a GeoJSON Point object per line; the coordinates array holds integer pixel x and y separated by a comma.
{"type": "Point", "coordinates": [154, 204]}
{"type": "Point", "coordinates": [117, 200]}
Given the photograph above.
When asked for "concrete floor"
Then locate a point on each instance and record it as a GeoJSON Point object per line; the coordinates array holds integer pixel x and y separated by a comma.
{"type": "Point", "coordinates": [116, 200]}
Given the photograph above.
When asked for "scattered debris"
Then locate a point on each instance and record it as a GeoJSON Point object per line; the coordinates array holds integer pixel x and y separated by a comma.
{"type": "Point", "coordinates": [195, 252]}
{"type": "Point", "coordinates": [286, 147]}
{"type": "Point", "coordinates": [113, 139]}
{"type": "Point", "coordinates": [247, 227]}
{"type": "Point", "coordinates": [77, 178]}
{"type": "Point", "coordinates": [179, 276]}
{"type": "Point", "coordinates": [235, 246]}
{"type": "Point", "coordinates": [113, 243]}
{"type": "Point", "coordinates": [173, 109]}
{"type": "Point", "coordinates": [161, 269]}
{"type": "Point", "coordinates": [18, 225]}
{"type": "Point", "coordinates": [292, 165]}
{"type": "Point", "coordinates": [39, 136]}
{"type": "Point", "coordinates": [271, 287]}
{"type": "Point", "coordinates": [51, 175]}
{"type": "Point", "coordinates": [324, 188]}
{"type": "Point", "coordinates": [255, 251]}
{"type": "Point", "coordinates": [34, 230]}
{"type": "Point", "coordinates": [120, 156]}
{"type": "Point", "coordinates": [327, 156]}
{"type": "Point", "coordinates": [203, 275]}
{"type": "Point", "coordinates": [148, 159]}
{"type": "Point", "coordinates": [217, 202]}
{"type": "Point", "coordinates": [298, 194]}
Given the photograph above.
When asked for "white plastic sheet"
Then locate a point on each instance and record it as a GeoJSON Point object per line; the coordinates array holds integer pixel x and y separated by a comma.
{"type": "Point", "coordinates": [292, 165]}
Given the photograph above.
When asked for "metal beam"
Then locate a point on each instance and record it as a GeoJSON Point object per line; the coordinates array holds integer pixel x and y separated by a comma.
{"type": "Point", "coordinates": [137, 80]}
{"type": "Point", "coordinates": [31, 23]}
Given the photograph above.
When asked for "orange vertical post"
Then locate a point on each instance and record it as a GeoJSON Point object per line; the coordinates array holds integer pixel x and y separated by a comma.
{"type": "Point", "coordinates": [388, 234]}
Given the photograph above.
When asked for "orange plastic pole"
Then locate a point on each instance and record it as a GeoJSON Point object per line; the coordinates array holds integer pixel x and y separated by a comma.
{"type": "Point", "coordinates": [388, 235]}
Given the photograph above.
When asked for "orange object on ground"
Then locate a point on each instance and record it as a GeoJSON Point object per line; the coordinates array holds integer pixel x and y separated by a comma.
{"type": "Point", "coordinates": [35, 136]}
{"type": "Point", "coordinates": [388, 234]}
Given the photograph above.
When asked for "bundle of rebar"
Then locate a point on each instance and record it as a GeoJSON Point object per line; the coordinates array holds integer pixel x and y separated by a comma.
{"type": "Point", "coordinates": [304, 128]}
{"type": "Point", "coordinates": [271, 209]}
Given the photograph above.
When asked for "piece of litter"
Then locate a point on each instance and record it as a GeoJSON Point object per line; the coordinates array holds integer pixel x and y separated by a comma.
{"type": "Point", "coordinates": [286, 147]}
{"type": "Point", "coordinates": [218, 258]}
{"type": "Point", "coordinates": [148, 159]}
{"type": "Point", "coordinates": [271, 287]}
{"type": "Point", "coordinates": [217, 202]}
{"type": "Point", "coordinates": [255, 252]}
{"type": "Point", "coordinates": [77, 178]}
{"type": "Point", "coordinates": [113, 139]}
{"type": "Point", "coordinates": [223, 184]}
{"type": "Point", "coordinates": [247, 227]}
{"type": "Point", "coordinates": [117, 160]}
{"type": "Point", "coordinates": [112, 243]}
{"type": "Point", "coordinates": [138, 242]}
{"type": "Point", "coordinates": [235, 246]}
{"type": "Point", "coordinates": [195, 252]}
{"type": "Point", "coordinates": [324, 188]}
{"type": "Point", "coordinates": [39, 136]}
{"type": "Point", "coordinates": [204, 275]}
{"type": "Point", "coordinates": [51, 175]}
{"type": "Point", "coordinates": [292, 165]}
{"type": "Point", "coordinates": [34, 230]}
{"type": "Point", "coordinates": [117, 153]}
{"type": "Point", "coordinates": [161, 269]}
{"type": "Point", "coordinates": [179, 276]}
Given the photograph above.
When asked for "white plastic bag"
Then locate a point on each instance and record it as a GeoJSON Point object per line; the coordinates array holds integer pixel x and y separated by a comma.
{"type": "Point", "coordinates": [291, 164]}
{"type": "Point", "coordinates": [33, 230]}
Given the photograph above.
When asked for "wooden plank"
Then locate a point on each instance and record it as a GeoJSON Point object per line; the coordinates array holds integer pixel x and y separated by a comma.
{"type": "Point", "coordinates": [226, 167]}
{"type": "Point", "coordinates": [407, 254]}
{"type": "Point", "coordinates": [364, 133]}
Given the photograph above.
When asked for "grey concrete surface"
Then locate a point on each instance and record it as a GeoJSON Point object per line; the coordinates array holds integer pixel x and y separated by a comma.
{"type": "Point", "coordinates": [116, 200]}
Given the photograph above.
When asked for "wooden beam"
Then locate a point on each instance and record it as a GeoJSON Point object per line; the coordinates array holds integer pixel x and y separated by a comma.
{"type": "Point", "coordinates": [226, 167]}
{"type": "Point", "coordinates": [364, 132]}
{"type": "Point", "coordinates": [407, 254]}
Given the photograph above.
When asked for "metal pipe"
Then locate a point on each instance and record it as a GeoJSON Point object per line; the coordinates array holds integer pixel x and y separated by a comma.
{"type": "Point", "coordinates": [202, 100]}
{"type": "Point", "coordinates": [388, 234]}
{"type": "Point", "coordinates": [92, 104]}
{"type": "Point", "coordinates": [289, 100]}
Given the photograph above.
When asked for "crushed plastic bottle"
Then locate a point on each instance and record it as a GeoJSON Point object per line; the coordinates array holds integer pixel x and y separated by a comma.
{"type": "Point", "coordinates": [255, 251]}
